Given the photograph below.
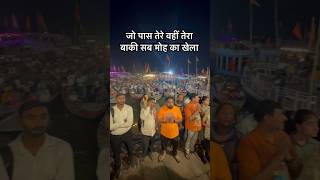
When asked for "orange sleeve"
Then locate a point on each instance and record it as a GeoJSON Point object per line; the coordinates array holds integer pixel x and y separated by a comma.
{"type": "Point", "coordinates": [160, 114]}
{"type": "Point", "coordinates": [219, 166]}
{"type": "Point", "coordinates": [178, 114]}
{"type": "Point", "coordinates": [187, 112]}
{"type": "Point", "coordinates": [249, 163]}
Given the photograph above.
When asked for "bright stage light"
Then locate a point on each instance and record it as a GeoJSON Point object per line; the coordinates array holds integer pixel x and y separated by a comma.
{"type": "Point", "coordinates": [149, 76]}
{"type": "Point", "coordinates": [202, 77]}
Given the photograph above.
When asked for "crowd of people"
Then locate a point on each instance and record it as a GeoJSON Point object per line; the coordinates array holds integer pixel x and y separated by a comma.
{"type": "Point", "coordinates": [30, 78]}
{"type": "Point", "coordinates": [175, 121]}
{"type": "Point", "coordinates": [31, 73]}
{"type": "Point", "coordinates": [267, 150]}
{"type": "Point", "coordinates": [136, 85]}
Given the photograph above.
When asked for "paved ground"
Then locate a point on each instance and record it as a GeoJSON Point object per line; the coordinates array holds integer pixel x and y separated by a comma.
{"type": "Point", "coordinates": [169, 169]}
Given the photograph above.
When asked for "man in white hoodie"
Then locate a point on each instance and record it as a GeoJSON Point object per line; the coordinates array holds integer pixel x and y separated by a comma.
{"type": "Point", "coordinates": [148, 127]}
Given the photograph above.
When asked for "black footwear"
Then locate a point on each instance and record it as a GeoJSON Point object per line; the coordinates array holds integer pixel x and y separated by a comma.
{"type": "Point", "coordinates": [207, 156]}
{"type": "Point", "coordinates": [203, 158]}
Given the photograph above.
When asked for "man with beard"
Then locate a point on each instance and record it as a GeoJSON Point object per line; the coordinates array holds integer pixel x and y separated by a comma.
{"type": "Point", "coordinates": [121, 120]}
{"type": "Point", "coordinates": [35, 155]}
{"type": "Point", "coordinates": [169, 116]}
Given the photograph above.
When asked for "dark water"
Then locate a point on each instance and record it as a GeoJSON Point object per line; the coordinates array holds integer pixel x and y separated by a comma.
{"type": "Point", "coordinates": [80, 133]}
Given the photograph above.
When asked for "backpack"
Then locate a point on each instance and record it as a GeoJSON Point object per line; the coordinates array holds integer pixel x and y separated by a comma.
{"type": "Point", "coordinates": [7, 157]}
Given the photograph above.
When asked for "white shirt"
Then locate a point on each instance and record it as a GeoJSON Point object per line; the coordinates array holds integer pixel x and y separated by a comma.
{"type": "Point", "coordinates": [206, 118]}
{"type": "Point", "coordinates": [118, 125]}
{"type": "Point", "coordinates": [54, 161]}
{"type": "Point", "coordinates": [149, 122]}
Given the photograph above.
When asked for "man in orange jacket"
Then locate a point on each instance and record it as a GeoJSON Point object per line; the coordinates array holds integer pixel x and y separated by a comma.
{"type": "Point", "coordinates": [193, 123]}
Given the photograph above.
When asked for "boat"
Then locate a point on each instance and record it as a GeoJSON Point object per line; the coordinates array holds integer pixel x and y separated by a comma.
{"type": "Point", "coordinates": [260, 71]}
{"type": "Point", "coordinates": [285, 80]}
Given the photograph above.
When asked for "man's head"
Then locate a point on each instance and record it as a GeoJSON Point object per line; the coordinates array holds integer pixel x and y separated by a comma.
{"type": "Point", "coordinates": [205, 100]}
{"type": "Point", "coordinates": [150, 102]}
{"type": "Point", "coordinates": [120, 99]}
{"type": "Point", "coordinates": [306, 123]}
{"type": "Point", "coordinates": [33, 118]}
{"type": "Point", "coordinates": [270, 113]}
{"type": "Point", "coordinates": [194, 98]}
{"type": "Point", "coordinates": [226, 115]}
{"type": "Point", "coordinates": [180, 98]}
{"type": "Point", "coordinates": [170, 102]}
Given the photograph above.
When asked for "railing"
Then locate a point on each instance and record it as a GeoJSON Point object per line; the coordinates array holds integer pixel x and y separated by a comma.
{"type": "Point", "coordinates": [289, 98]}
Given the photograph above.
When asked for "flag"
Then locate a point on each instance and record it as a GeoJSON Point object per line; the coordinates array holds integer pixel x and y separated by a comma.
{"type": "Point", "coordinates": [189, 62]}
{"type": "Point", "coordinates": [41, 23]}
{"type": "Point", "coordinates": [254, 2]}
{"type": "Point", "coordinates": [297, 32]}
{"type": "Point", "coordinates": [149, 70]}
{"type": "Point", "coordinates": [312, 33]}
{"type": "Point", "coordinates": [145, 67]}
{"type": "Point", "coordinates": [197, 59]}
{"type": "Point", "coordinates": [168, 59]}
{"type": "Point", "coordinates": [15, 24]}
{"type": "Point", "coordinates": [28, 24]}
{"type": "Point", "coordinates": [122, 67]}
{"type": "Point", "coordinates": [6, 22]}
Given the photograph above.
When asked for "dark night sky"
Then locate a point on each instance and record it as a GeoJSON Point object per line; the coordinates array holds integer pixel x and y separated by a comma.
{"type": "Point", "coordinates": [167, 15]}
{"type": "Point", "coordinates": [290, 12]}
{"type": "Point", "coordinates": [59, 14]}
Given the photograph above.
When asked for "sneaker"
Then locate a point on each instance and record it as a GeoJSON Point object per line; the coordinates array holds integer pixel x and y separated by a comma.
{"type": "Point", "coordinates": [177, 158]}
{"type": "Point", "coordinates": [162, 156]}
